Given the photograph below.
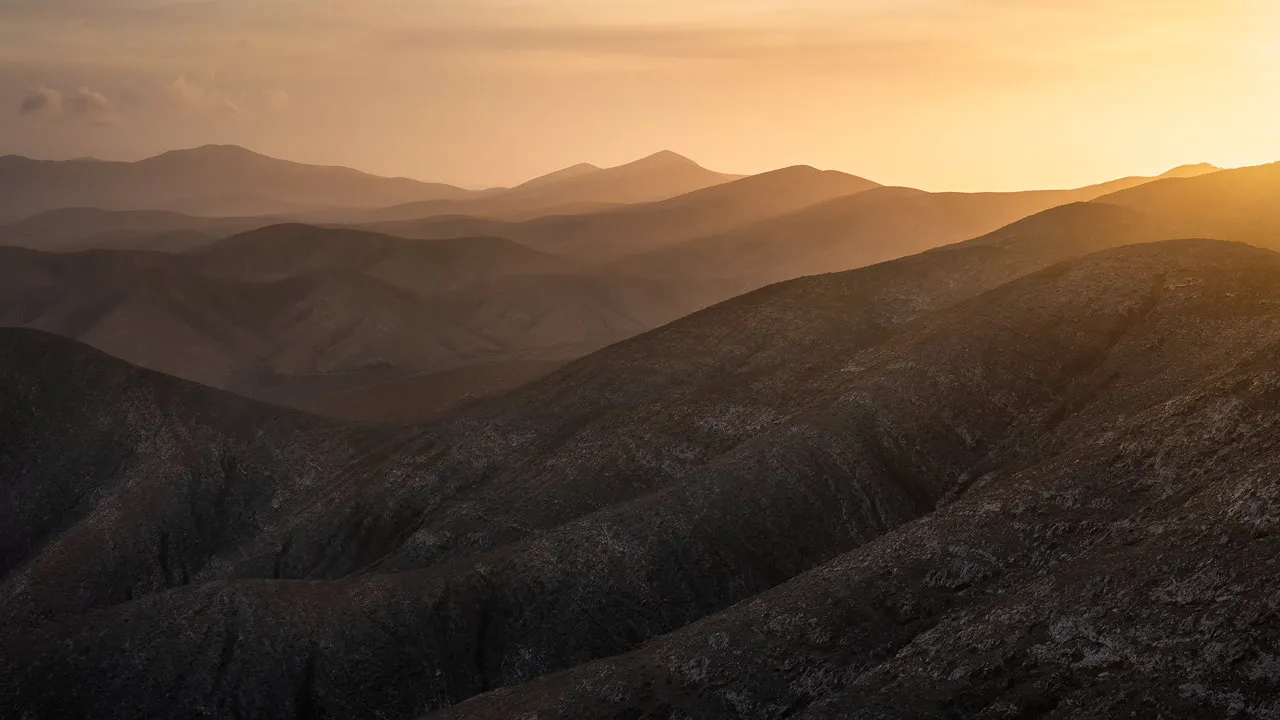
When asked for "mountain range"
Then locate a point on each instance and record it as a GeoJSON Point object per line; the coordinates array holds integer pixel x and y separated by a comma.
{"type": "Point", "coordinates": [1022, 475]}
{"type": "Point", "coordinates": [351, 322]}
{"type": "Point", "coordinates": [580, 188]}
{"type": "Point", "coordinates": [747, 233]}
{"type": "Point", "coordinates": [295, 313]}
{"type": "Point", "coordinates": [226, 180]}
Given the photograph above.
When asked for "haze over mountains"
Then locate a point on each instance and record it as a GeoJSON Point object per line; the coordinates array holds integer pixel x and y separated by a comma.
{"type": "Point", "coordinates": [578, 188]}
{"type": "Point", "coordinates": [325, 319]}
{"type": "Point", "coordinates": [320, 332]}
{"type": "Point", "coordinates": [790, 445]}
{"type": "Point", "coordinates": [220, 180]}
{"type": "Point", "coordinates": [273, 308]}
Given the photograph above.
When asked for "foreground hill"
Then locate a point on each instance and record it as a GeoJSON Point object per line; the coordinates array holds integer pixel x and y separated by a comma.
{"type": "Point", "coordinates": [400, 396]}
{"type": "Point", "coordinates": [1117, 568]}
{"type": "Point", "coordinates": [291, 310]}
{"type": "Point", "coordinates": [578, 189]}
{"type": "Point", "coordinates": [886, 447]}
{"type": "Point", "coordinates": [213, 180]}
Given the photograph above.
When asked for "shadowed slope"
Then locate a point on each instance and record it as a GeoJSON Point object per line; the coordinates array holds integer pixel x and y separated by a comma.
{"type": "Point", "coordinates": [100, 453]}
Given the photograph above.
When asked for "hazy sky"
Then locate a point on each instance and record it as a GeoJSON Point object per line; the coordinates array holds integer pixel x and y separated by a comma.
{"type": "Point", "coordinates": [941, 94]}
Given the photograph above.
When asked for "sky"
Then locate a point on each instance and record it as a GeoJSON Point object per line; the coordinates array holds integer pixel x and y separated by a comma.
{"type": "Point", "coordinates": [936, 94]}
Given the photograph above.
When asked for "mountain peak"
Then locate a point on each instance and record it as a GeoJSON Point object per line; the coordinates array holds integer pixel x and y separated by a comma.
{"type": "Point", "coordinates": [1187, 171]}
{"type": "Point", "coordinates": [210, 151]}
{"type": "Point", "coordinates": [664, 158]}
{"type": "Point", "coordinates": [568, 173]}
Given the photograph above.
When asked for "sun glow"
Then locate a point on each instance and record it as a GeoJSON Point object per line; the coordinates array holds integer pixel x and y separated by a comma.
{"type": "Point", "coordinates": [940, 94]}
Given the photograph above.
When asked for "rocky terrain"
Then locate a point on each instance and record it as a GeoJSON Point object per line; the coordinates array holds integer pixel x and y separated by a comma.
{"type": "Point", "coordinates": [1104, 554]}
{"type": "Point", "coordinates": [849, 493]}
{"type": "Point", "coordinates": [1022, 475]}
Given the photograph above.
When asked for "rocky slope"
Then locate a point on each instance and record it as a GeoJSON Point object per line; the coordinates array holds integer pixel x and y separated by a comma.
{"type": "Point", "coordinates": [1115, 563]}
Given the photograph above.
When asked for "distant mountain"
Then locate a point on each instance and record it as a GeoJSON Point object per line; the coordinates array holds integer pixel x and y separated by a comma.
{"type": "Point", "coordinates": [266, 312]}
{"type": "Point", "coordinates": [740, 235]}
{"type": "Point", "coordinates": [632, 229]}
{"type": "Point", "coordinates": [569, 173]}
{"type": "Point", "coordinates": [77, 228]}
{"type": "Point", "coordinates": [851, 232]}
{"type": "Point", "coordinates": [210, 180]}
{"type": "Point", "coordinates": [1192, 170]}
{"type": "Point", "coordinates": [1023, 474]}
{"type": "Point", "coordinates": [1232, 204]}
{"type": "Point", "coordinates": [581, 188]}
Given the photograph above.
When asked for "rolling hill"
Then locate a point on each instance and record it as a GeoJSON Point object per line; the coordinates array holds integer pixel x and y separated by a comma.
{"type": "Point", "coordinates": [1235, 205]}
{"type": "Point", "coordinates": [741, 235]}
{"type": "Point", "coordinates": [286, 310]}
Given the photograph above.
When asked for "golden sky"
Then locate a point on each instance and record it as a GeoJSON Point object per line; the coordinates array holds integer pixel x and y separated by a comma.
{"type": "Point", "coordinates": [939, 94]}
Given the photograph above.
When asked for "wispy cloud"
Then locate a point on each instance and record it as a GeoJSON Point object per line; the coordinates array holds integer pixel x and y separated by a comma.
{"type": "Point", "coordinates": [82, 105]}
{"type": "Point", "coordinates": [190, 96]}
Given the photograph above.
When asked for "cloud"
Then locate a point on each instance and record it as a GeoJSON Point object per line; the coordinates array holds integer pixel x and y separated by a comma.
{"type": "Point", "coordinates": [41, 101]}
{"type": "Point", "coordinates": [193, 97]}
{"type": "Point", "coordinates": [90, 106]}
{"type": "Point", "coordinates": [278, 100]}
{"type": "Point", "coordinates": [83, 105]}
